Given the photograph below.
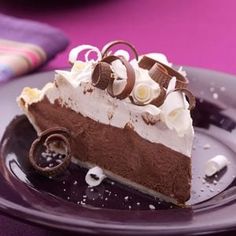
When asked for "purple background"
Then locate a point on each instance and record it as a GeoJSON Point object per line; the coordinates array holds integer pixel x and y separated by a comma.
{"type": "Point", "coordinates": [199, 33]}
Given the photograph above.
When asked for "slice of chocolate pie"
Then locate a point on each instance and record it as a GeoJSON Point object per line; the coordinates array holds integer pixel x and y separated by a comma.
{"type": "Point", "coordinates": [129, 117]}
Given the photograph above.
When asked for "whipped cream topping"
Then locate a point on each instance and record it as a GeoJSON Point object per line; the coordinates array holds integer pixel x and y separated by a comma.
{"type": "Point", "coordinates": [169, 124]}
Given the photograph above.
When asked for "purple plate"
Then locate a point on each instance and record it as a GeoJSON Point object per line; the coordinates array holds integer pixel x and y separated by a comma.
{"type": "Point", "coordinates": [66, 202]}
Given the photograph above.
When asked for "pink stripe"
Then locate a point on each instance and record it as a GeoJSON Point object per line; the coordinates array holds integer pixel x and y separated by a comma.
{"type": "Point", "coordinates": [30, 55]}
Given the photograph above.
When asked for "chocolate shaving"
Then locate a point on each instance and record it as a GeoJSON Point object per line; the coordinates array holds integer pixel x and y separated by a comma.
{"type": "Point", "coordinates": [57, 141]}
{"type": "Point", "coordinates": [190, 97]}
{"type": "Point", "coordinates": [113, 43]}
{"type": "Point", "coordinates": [160, 75]}
{"type": "Point", "coordinates": [147, 63]}
{"type": "Point", "coordinates": [101, 75]}
{"type": "Point", "coordinates": [156, 101]}
{"type": "Point", "coordinates": [148, 119]}
{"type": "Point", "coordinates": [128, 126]}
{"type": "Point", "coordinates": [130, 77]}
{"type": "Point", "coordinates": [160, 99]}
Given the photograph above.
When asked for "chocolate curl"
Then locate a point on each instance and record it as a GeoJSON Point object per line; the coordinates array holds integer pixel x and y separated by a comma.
{"type": "Point", "coordinates": [160, 99]}
{"type": "Point", "coordinates": [156, 101]}
{"type": "Point", "coordinates": [101, 76]}
{"type": "Point", "coordinates": [52, 139]}
{"type": "Point", "coordinates": [190, 97]}
{"type": "Point", "coordinates": [160, 75]}
{"type": "Point", "coordinates": [74, 53]}
{"type": "Point", "coordinates": [130, 77]}
{"type": "Point", "coordinates": [113, 43]}
{"type": "Point", "coordinates": [147, 63]}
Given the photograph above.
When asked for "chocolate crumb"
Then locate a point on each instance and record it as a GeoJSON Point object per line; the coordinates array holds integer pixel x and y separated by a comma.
{"type": "Point", "coordinates": [151, 207]}
{"type": "Point", "coordinates": [215, 95]}
{"type": "Point", "coordinates": [207, 146]}
{"type": "Point", "coordinates": [129, 125]}
{"type": "Point", "coordinates": [222, 88]}
{"type": "Point", "coordinates": [147, 120]}
{"type": "Point", "coordinates": [126, 198]}
{"type": "Point", "coordinates": [110, 115]}
{"type": "Point", "coordinates": [90, 90]}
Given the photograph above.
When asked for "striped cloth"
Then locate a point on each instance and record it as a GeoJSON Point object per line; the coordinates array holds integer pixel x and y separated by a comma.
{"type": "Point", "coordinates": [25, 45]}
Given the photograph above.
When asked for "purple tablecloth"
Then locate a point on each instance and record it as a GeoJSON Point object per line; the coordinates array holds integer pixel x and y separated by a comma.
{"type": "Point", "coordinates": [190, 32]}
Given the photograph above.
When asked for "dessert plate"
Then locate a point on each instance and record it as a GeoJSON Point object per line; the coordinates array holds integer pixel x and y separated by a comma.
{"type": "Point", "coordinates": [66, 202]}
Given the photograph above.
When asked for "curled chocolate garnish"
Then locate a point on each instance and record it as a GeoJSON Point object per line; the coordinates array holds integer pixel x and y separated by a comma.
{"type": "Point", "coordinates": [190, 97]}
{"type": "Point", "coordinates": [147, 95]}
{"type": "Point", "coordinates": [113, 43]}
{"type": "Point", "coordinates": [160, 75]}
{"type": "Point", "coordinates": [94, 176]}
{"type": "Point", "coordinates": [160, 99]}
{"type": "Point", "coordinates": [143, 93]}
{"type": "Point", "coordinates": [101, 75]}
{"type": "Point", "coordinates": [50, 153]}
{"type": "Point", "coordinates": [130, 77]}
{"type": "Point", "coordinates": [147, 63]}
{"type": "Point", "coordinates": [74, 53]}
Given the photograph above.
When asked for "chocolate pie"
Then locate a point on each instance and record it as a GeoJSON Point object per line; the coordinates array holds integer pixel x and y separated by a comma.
{"type": "Point", "coordinates": [130, 117]}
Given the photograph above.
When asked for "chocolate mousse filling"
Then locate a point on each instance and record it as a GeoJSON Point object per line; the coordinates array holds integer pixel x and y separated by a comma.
{"type": "Point", "coordinates": [119, 151]}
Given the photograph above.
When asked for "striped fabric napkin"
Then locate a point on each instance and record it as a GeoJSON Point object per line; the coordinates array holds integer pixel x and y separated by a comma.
{"type": "Point", "coordinates": [25, 45]}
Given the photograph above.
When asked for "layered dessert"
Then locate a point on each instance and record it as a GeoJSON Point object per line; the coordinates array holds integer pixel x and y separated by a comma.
{"type": "Point", "coordinates": [130, 117]}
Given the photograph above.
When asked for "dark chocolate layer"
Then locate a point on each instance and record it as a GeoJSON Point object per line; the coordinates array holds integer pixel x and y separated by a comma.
{"type": "Point", "coordinates": [121, 151]}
